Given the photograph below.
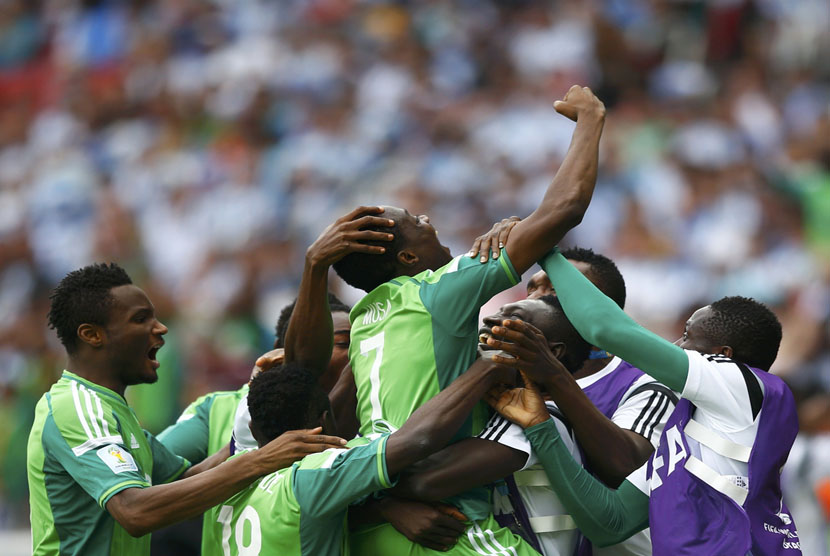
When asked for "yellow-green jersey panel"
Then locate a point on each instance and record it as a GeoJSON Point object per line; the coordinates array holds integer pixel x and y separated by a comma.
{"type": "Point", "coordinates": [412, 336]}
{"type": "Point", "coordinates": [482, 538]}
{"type": "Point", "coordinates": [204, 426]}
{"type": "Point", "coordinates": [300, 510]}
{"type": "Point", "coordinates": [86, 446]}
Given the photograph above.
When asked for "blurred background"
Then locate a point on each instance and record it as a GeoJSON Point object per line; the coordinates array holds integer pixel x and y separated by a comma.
{"type": "Point", "coordinates": [203, 145]}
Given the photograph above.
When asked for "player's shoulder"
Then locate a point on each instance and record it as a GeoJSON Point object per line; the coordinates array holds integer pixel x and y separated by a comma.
{"type": "Point", "coordinates": [83, 414]}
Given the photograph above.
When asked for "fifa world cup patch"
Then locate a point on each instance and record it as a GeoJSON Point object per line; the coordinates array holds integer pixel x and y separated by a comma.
{"type": "Point", "coordinates": [117, 458]}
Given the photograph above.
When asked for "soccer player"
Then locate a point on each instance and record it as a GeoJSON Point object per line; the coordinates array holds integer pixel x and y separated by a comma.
{"type": "Point", "coordinates": [97, 481]}
{"type": "Point", "coordinates": [302, 510]}
{"type": "Point", "coordinates": [713, 485]}
{"type": "Point", "coordinates": [328, 373]}
{"type": "Point", "coordinates": [491, 456]}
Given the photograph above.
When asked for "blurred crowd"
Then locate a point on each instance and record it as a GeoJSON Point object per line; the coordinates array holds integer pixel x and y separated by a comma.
{"type": "Point", "coordinates": [203, 145]}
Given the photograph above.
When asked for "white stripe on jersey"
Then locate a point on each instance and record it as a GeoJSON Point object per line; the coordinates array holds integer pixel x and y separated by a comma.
{"type": "Point", "coordinates": [474, 532]}
{"type": "Point", "coordinates": [102, 433]}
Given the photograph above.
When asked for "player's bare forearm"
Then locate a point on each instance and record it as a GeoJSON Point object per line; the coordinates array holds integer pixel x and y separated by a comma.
{"type": "Point", "coordinates": [142, 510]}
{"type": "Point", "coordinates": [459, 467]}
{"type": "Point", "coordinates": [569, 194]}
{"type": "Point", "coordinates": [309, 337]}
{"type": "Point", "coordinates": [612, 452]}
{"type": "Point", "coordinates": [209, 462]}
{"type": "Point", "coordinates": [434, 423]}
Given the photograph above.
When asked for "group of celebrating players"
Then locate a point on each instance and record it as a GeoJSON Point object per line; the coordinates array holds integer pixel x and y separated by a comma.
{"type": "Point", "coordinates": [558, 427]}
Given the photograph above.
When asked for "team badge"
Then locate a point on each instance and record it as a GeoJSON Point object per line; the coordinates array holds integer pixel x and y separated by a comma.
{"type": "Point", "coordinates": [117, 458]}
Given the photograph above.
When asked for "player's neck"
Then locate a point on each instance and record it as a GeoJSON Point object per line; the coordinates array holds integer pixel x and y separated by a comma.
{"type": "Point", "coordinates": [591, 366]}
{"type": "Point", "coordinates": [96, 373]}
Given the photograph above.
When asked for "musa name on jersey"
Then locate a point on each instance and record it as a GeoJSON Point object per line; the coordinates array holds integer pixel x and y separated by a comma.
{"type": "Point", "coordinates": [86, 446]}
{"type": "Point", "coordinates": [300, 510]}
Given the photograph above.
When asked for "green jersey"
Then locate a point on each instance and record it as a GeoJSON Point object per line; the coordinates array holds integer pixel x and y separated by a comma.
{"type": "Point", "coordinates": [412, 336]}
{"type": "Point", "coordinates": [204, 426]}
{"type": "Point", "coordinates": [86, 446]}
{"type": "Point", "coordinates": [300, 510]}
{"type": "Point", "coordinates": [482, 538]}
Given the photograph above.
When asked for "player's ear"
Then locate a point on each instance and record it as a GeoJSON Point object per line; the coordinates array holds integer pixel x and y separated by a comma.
{"type": "Point", "coordinates": [407, 257]}
{"type": "Point", "coordinates": [725, 350]}
{"type": "Point", "coordinates": [328, 423]}
{"type": "Point", "coordinates": [557, 349]}
{"type": "Point", "coordinates": [91, 334]}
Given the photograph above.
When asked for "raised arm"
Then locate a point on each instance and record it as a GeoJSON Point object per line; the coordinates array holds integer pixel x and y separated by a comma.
{"type": "Point", "coordinates": [602, 323]}
{"type": "Point", "coordinates": [309, 336]}
{"type": "Point", "coordinates": [606, 516]}
{"type": "Point", "coordinates": [567, 198]}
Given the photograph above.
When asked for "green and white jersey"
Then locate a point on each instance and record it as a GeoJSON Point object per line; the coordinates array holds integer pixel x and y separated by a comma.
{"type": "Point", "coordinates": [85, 446]}
{"type": "Point", "coordinates": [204, 426]}
{"type": "Point", "coordinates": [412, 336]}
{"type": "Point", "coordinates": [300, 510]}
{"type": "Point", "coordinates": [481, 538]}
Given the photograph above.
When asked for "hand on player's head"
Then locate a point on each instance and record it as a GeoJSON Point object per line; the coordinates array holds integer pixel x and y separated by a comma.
{"type": "Point", "coordinates": [490, 243]}
{"type": "Point", "coordinates": [268, 360]}
{"type": "Point", "coordinates": [293, 446]}
{"type": "Point", "coordinates": [580, 101]}
{"type": "Point", "coordinates": [347, 235]}
{"type": "Point", "coordinates": [526, 349]}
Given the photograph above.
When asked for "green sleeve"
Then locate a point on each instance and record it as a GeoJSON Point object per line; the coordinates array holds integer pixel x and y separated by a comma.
{"type": "Point", "coordinates": [189, 435]}
{"type": "Point", "coordinates": [353, 473]}
{"type": "Point", "coordinates": [601, 322]}
{"type": "Point", "coordinates": [102, 471]}
{"type": "Point", "coordinates": [455, 293]}
{"type": "Point", "coordinates": [604, 515]}
{"type": "Point", "coordinates": [167, 466]}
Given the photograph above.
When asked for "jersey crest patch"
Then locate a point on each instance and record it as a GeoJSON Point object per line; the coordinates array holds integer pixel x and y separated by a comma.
{"type": "Point", "coordinates": [117, 459]}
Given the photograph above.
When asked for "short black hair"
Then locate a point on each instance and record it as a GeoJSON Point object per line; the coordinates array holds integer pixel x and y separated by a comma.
{"type": "Point", "coordinates": [285, 398]}
{"type": "Point", "coordinates": [604, 272]}
{"type": "Point", "coordinates": [335, 306]}
{"type": "Point", "coordinates": [577, 348]}
{"type": "Point", "coordinates": [749, 327]}
{"type": "Point", "coordinates": [367, 271]}
{"type": "Point", "coordinates": [83, 296]}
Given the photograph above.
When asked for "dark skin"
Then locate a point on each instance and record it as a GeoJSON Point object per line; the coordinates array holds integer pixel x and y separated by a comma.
{"type": "Point", "coordinates": [562, 207]}
{"type": "Point", "coordinates": [121, 353]}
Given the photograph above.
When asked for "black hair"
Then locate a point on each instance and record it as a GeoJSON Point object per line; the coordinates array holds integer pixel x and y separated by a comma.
{"type": "Point", "coordinates": [335, 306]}
{"type": "Point", "coordinates": [83, 296]}
{"type": "Point", "coordinates": [285, 398]}
{"type": "Point", "coordinates": [750, 328]}
{"type": "Point", "coordinates": [577, 348]}
{"type": "Point", "coordinates": [367, 271]}
{"type": "Point", "coordinates": [604, 272]}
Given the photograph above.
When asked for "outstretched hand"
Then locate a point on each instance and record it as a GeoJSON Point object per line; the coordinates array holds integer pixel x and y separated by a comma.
{"type": "Point", "coordinates": [346, 235]}
{"type": "Point", "coordinates": [578, 102]}
{"type": "Point", "coordinates": [293, 446]}
{"type": "Point", "coordinates": [523, 406]}
{"type": "Point", "coordinates": [491, 242]}
{"type": "Point", "coordinates": [529, 350]}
